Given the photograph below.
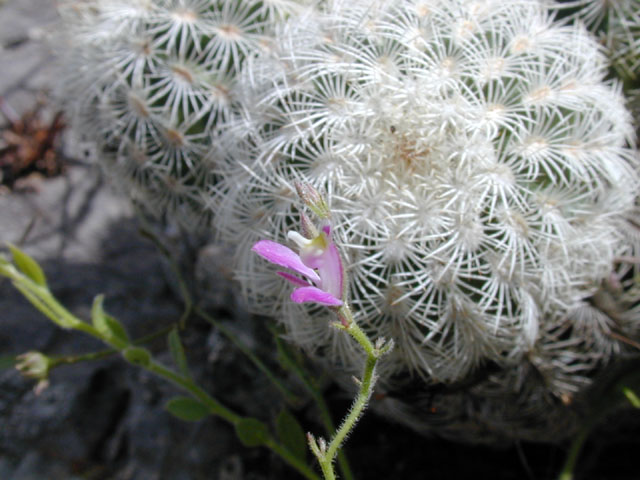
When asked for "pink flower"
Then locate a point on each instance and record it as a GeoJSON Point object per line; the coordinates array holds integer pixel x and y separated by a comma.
{"type": "Point", "coordinates": [318, 263]}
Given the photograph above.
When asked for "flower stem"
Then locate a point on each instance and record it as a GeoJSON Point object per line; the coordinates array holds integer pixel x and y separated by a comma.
{"type": "Point", "coordinates": [359, 404]}
{"type": "Point", "coordinates": [88, 357]}
{"type": "Point", "coordinates": [316, 394]}
{"type": "Point", "coordinates": [215, 407]}
{"type": "Point", "coordinates": [260, 365]}
{"type": "Point", "coordinates": [326, 454]}
{"type": "Point", "coordinates": [574, 452]}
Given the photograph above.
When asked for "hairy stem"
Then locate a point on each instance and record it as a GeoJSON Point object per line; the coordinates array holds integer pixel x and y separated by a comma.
{"type": "Point", "coordinates": [327, 454]}
{"type": "Point", "coordinates": [318, 398]}
{"type": "Point", "coordinates": [260, 365]}
{"type": "Point", "coordinates": [88, 357]}
{"type": "Point", "coordinates": [574, 453]}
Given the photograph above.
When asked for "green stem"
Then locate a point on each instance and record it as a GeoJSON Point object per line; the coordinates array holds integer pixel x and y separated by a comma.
{"type": "Point", "coordinates": [327, 469]}
{"type": "Point", "coordinates": [325, 455]}
{"type": "Point", "coordinates": [152, 336]}
{"type": "Point", "coordinates": [574, 452]}
{"type": "Point", "coordinates": [357, 408]}
{"type": "Point", "coordinates": [186, 296]}
{"type": "Point", "coordinates": [215, 407]}
{"type": "Point", "coordinates": [88, 357]}
{"type": "Point", "coordinates": [291, 459]}
{"type": "Point", "coordinates": [291, 397]}
{"type": "Point", "coordinates": [228, 415]}
{"type": "Point", "coordinates": [631, 396]}
{"type": "Point", "coordinates": [147, 232]}
{"type": "Point", "coordinates": [318, 398]}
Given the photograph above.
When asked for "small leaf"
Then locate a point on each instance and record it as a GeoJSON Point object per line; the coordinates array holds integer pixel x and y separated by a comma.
{"type": "Point", "coordinates": [252, 432]}
{"type": "Point", "coordinates": [28, 266]}
{"type": "Point", "coordinates": [43, 306]}
{"type": "Point", "coordinates": [110, 328]}
{"type": "Point", "coordinates": [5, 265]}
{"type": "Point", "coordinates": [177, 352]}
{"type": "Point", "coordinates": [631, 396]}
{"type": "Point", "coordinates": [187, 409]}
{"type": "Point", "coordinates": [137, 356]}
{"type": "Point", "coordinates": [291, 434]}
{"type": "Point", "coordinates": [285, 355]}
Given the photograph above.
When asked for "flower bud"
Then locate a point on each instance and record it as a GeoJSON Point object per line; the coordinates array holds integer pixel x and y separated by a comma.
{"type": "Point", "coordinates": [309, 230]}
{"type": "Point", "coordinates": [34, 365]}
{"type": "Point", "coordinates": [312, 198]}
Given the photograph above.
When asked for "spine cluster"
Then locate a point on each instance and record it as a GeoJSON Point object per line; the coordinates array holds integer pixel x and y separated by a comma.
{"type": "Point", "coordinates": [616, 24]}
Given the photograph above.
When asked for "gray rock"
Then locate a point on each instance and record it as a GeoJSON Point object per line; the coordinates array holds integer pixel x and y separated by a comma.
{"type": "Point", "coordinates": [26, 60]}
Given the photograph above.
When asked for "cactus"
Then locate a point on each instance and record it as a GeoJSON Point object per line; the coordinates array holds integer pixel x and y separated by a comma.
{"type": "Point", "coordinates": [480, 170]}
{"type": "Point", "coordinates": [149, 83]}
{"type": "Point", "coordinates": [617, 24]}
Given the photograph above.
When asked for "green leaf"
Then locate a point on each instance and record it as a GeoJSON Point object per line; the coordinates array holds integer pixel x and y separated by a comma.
{"type": "Point", "coordinates": [291, 434]}
{"type": "Point", "coordinates": [137, 356]}
{"type": "Point", "coordinates": [110, 328]}
{"type": "Point", "coordinates": [41, 304]}
{"type": "Point", "coordinates": [5, 266]}
{"type": "Point", "coordinates": [631, 396]}
{"type": "Point", "coordinates": [187, 409]}
{"type": "Point", "coordinates": [28, 266]}
{"type": "Point", "coordinates": [252, 432]}
{"type": "Point", "coordinates": [286, 356]}
{"type": "Point", "coordinates": [177, 352]}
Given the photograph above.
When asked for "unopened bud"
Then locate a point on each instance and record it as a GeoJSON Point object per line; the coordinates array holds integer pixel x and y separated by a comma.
{"type": "Point", "coordinates": [322, 443]}
{"type": "Point", "coordinates": [313, 445]}
{"type": "Point", "coordinates": [34, 365]}
{"type": "Point", "coordinates": [312, 198]}
{"type": "Point", "coordinates": [309, 230]}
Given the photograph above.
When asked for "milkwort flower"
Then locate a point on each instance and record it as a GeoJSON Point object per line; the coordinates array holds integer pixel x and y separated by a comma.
{"type": "Point", "coordinates": [318, 263]}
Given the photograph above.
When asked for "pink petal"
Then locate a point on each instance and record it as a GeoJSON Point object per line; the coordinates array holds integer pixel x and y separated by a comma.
{"type": "Point", "coordinates": [285, 257]}
{"type": "Point", "coordinates": [328, 264]}
{"type": "Point", "coordinates": [315, 295]}
{"type": "Point", "coordinates": [331, 271]}
{"type": "Point", "coordinates": [293, 279]}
